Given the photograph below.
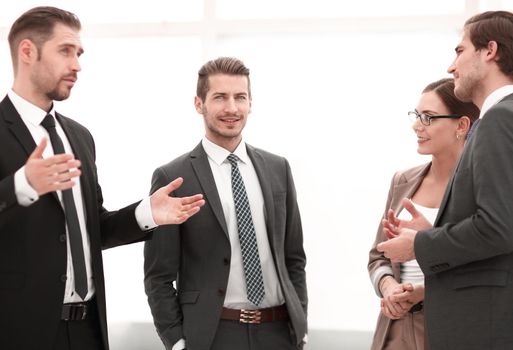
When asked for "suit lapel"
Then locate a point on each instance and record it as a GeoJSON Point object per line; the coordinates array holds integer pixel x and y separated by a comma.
{"type": "Point", "coordinates": [19, 129]}
{"type": "Point", "coordinates": [17, 126]}
{"type": "Point", "coordinates": [201, 166]}
{"type": "Point", "coordinates": [80, 153]}
{"type": "Point", "coordinates": [78, 150]}
{"type": "Point", "coordinates": [405, 188]}
{"type": "Point", "coordinates": [468, 146]}
{"type": "Point", "coordinates": [263, 172]}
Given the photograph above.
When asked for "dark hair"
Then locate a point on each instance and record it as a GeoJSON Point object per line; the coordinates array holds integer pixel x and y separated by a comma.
{"type": "Point", "coordinates": [494, 26]}
{"type": "Point", "coordinates": [37, 25]}
{"type": "Point", "coordinates": [221, 65]}
{"type": "Point", "coordinates": [444, 88]}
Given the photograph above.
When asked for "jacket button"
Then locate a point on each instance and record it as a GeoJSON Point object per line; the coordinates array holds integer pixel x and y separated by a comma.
{"type": "Point", "coordinates": [64, 278]}
{"type": "Point", "coordinates": [226, 261]}
{"type": "Point", "coordinates": [220, 292]}
{"type": "Point", "coordinates": [62, 238]}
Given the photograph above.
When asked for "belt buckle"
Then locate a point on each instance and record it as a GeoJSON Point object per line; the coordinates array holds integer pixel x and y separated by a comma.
{"type": "Point", "coordinates": [75, 312]}
{"type": "Point", "coordinates": [250, 316]}
{"type": "Point", "coordinates": [84, 312]}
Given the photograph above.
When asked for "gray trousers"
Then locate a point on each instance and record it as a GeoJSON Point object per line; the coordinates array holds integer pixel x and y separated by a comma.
{"type": "Point", "coordinates": [233, 335]}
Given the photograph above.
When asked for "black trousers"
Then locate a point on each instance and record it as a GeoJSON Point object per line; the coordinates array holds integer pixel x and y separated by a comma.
{"type": "Point", "coordinates": [81, 335]}
{"type": "Point", "coordinates": [233, 335]}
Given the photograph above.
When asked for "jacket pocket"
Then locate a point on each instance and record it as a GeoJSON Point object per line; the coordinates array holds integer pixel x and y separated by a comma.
{"type": "Point", "coordinates": [477, 278]}
{"type": "Point", "coordinates": [188, 297]}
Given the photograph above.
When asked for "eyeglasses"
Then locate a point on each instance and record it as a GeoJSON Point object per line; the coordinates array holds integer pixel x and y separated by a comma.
{"type": "Point", "coordinates": [425, 119]}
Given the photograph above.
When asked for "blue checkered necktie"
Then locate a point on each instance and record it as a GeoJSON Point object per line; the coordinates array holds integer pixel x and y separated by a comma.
{"type": "Point", "coordinates": [247, 237]}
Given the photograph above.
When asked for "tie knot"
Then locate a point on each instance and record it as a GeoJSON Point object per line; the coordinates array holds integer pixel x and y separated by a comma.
{"type": "Point", "coordinates": [233, 159]}
{"type": "Point", "coordinates": [48, 122]}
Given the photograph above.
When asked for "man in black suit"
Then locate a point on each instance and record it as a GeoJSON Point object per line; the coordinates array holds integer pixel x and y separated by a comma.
{"type": "Point", "coordinates": [467, 258]}
{"type": "Point", "coordinates": [53, 226]}
{"type": "Point", "coordinates": [239, 265]}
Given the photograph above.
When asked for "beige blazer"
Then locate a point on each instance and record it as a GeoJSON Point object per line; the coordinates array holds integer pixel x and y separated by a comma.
{"type": "Point", "coordinates": [404, 184]}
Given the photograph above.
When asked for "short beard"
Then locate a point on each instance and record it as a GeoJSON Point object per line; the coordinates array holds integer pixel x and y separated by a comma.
{"type": "Point", "coordinates": [463, 96]}
{"type": "Point", "coordinates": [54, 95]}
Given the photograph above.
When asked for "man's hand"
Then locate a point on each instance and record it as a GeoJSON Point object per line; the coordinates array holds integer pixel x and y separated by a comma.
{"type": "Point", "coordinates": [51, 174]}
{"type": "Point", "coordinates": [172, 210]}
{"type": "Point", "coordinates": [399, 248]}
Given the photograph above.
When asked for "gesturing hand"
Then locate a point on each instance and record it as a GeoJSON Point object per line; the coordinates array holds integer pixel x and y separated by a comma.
{"type": "Point", "coordinates": [401, 247]}
{"type": "Point", "coordinates": [393, 224]}
{"type": "Point", "coordinates": [50, 174]}
{"type": "Point", "coordinates": [173, 210]}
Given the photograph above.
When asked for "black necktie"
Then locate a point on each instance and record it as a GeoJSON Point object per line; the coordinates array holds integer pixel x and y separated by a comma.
{"type": "Point", "coordinates": [70, 210]}
{"type": "Point", "coordinates": [247, 237]}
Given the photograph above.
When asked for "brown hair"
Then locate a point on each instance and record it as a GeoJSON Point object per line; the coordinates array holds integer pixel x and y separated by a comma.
{"type": "Point", "coordinates": [37, 25]}
{"type": "Point", "coordinates": [494, 26]}
{"type": "Point", "coordinates": [444, 88]}
{"type": "Point", "coordinates": [221, 65]}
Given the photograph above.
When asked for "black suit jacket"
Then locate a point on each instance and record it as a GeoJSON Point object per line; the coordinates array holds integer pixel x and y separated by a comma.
{"type": "Point", "coordinates": [196, 254]}
{"type": "Point", "coordinates": [467, 259]}
{"type": "Point", "coordinates": [33, 239]}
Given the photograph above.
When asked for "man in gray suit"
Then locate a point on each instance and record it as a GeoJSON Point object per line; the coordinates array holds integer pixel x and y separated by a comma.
{"type": "Point", "coordinates": [467, 258]}
{"type": "Point", "coordinates": [238, 265]}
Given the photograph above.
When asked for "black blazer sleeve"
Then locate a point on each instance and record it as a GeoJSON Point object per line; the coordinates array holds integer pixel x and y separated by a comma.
{"type": "Point", "coordinates": [161, 265]}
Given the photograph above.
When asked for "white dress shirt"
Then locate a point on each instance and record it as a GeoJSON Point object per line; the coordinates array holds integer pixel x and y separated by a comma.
{"type": "Point", "coordinates": [32, 116]}
{"type": "Point", "coordinates": [495, 97]}
{"type": "Point", "coordinates": [236, 297]}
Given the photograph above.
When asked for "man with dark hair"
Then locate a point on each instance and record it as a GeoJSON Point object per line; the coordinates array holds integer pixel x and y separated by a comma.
{"type": "Point", "coordinates": [239, 265]}
{"type": "Point", "coordinates": [52, 222]}
{"type": "Point", "coordinates": [467, 257]}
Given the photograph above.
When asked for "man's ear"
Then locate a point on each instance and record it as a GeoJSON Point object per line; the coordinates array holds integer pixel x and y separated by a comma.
{"type": "Point", "coordinates": [27, 51]}
{"type": "Point", "coordinates": [491, 51]}
{"type": "Point", "coordinates": [198, 104]}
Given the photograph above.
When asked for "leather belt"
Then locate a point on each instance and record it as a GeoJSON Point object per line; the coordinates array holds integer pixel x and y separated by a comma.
{"type": "Point", "coordinates": [278, 313]}
{"type": "Point", "coordinates": [416, 308]}
{"type": "Point", "coordinates": [75, 311]}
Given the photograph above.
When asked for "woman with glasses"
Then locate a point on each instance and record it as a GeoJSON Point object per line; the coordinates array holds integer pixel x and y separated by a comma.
{"type": "Point", "coordinates": [441, 124]}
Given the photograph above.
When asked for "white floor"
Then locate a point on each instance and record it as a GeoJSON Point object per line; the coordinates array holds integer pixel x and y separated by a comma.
{"type": "Point", "coordinates": [142, 336]}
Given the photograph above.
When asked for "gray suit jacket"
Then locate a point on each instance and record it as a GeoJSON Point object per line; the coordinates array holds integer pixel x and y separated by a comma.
{"type": "Point", "coordinates": [467, 259]}
{"type": "Point", "coordinates": [196, 254]}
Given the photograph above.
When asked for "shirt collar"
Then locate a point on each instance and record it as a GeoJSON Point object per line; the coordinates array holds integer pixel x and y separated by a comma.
{"type": "Point", "coordinates": [28, 112]}
{"type": "Point", "coordinates": [495, 97]}
{"type": "Point", "coordinates": [218, 154]}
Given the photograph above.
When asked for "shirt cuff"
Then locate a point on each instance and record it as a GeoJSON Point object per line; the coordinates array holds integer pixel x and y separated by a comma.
{"type": "Point", "coordinates": [25, 194]}
{"type": "Point", "coordinates": [144, 216]}
{"type": "Point", "coordinates": [179, 345]}
{"type": "Point", "coordinates": [305, 339]}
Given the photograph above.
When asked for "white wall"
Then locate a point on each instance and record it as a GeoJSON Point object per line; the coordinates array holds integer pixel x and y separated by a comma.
{"type": "Point", "coordinates": [334, 102]}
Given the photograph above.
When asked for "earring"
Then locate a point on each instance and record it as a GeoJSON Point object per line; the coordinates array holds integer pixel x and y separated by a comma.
{"type": "Point", "coordinates": [457, 136]}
